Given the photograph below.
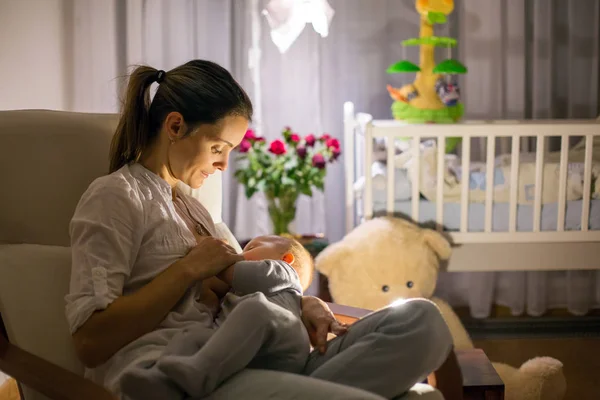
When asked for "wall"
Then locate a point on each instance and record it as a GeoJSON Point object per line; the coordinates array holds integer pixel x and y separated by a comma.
{"type": "Point", "coordinates": [32, 66]}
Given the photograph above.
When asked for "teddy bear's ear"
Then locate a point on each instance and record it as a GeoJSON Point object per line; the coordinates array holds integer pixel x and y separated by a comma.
{"type": "Point", "coordinates": [438, 243]}
{"type": "Point", "coordinates": [332, 256]}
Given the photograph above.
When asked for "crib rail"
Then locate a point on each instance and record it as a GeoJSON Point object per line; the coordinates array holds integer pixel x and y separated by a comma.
{"type": "Point", "coordinates": [491, 130]}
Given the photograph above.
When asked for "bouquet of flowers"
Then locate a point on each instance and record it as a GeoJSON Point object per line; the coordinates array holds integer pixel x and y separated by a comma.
{"type": "Point", "coordinates": [284, 169]}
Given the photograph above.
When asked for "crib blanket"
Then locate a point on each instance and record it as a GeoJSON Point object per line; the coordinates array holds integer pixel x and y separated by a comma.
{"type": "Point", "coordinates": [453, 176]}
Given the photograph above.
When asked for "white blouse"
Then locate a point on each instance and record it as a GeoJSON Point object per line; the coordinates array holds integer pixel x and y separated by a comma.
{"type": "Point", "coordinates": [125, 231]}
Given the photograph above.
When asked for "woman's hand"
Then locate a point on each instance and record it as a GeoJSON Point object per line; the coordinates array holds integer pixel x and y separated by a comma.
{"type": "Point", "coordinates": [209, 257]}
{"type": "Point", "coordinates": [212, 291]}
{"type": "Point", "coordinates": [319, 321]}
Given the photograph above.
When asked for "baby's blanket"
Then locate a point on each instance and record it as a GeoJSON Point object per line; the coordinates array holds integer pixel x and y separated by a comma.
{"type": "Point", "coordinates": [453, 176]}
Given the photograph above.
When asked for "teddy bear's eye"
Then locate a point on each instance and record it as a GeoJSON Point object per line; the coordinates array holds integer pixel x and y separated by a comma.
{"type": "Point", "coordinates": [385, 288]}
{"type": "Point", "coordinates": [409, 284]}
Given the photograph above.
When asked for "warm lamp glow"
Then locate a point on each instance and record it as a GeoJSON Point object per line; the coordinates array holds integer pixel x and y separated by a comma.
{"type": "Point", "coordinates": [287, 19]}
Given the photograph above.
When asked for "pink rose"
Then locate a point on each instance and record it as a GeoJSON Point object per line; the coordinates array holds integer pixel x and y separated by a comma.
{"type": "Point", "coordinates": [333, 143]}
{"type": "Point", "coordinates": [277, 147]}
{"type": "Point", "coordinates": [260, 139]}
{"type": "Point", "coordinates": [318, 161]}
{"type": "Point", "coordinates": [250, 135]}
{"type": "Point", "coordinates": [301, 151]}
{"type": "Point", "coordinates": [310, 140]}
{"type": "Point", "coordinates": [325, 137]}
{"type": "Point", "coordinates": [245, 146]}
{"type": "Point", "coordinates": [294, 137]}
{"type": "Point", "coordinates": [335, 153]}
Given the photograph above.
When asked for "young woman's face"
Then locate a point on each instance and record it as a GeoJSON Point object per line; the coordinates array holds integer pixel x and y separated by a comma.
{"type": "Point", "coordinates": [195, 157]}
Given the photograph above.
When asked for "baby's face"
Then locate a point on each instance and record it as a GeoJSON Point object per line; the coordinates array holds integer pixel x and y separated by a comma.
{"type": "Point", "coordinates": [265, 248]}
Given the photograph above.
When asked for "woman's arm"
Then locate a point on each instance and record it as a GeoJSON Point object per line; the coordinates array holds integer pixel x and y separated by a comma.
{"type": "Point", "coordinates": [129, 317]}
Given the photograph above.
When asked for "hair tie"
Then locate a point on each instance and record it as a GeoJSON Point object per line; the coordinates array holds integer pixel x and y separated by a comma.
{"type": "Point", "coordinates": [160, 76]}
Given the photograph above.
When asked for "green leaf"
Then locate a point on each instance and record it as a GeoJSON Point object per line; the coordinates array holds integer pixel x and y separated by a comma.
{"type": "Point", "coordinates": [306, 190]}
{"type": "Point", "coordinates": [430, 40]}
{"type": "Point", "coordinates": [288, 181]}
{"type": "Point", "coordinates": [403, 67]}
{"type": "Point", "coordinates": [436, 17]}
{"type": "Point", "coordinates": [250, 191]}
{"type": "Point", "coordinates": [450, 67]}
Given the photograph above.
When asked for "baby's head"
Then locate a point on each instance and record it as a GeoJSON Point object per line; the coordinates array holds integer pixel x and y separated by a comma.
{"type": "Point", "coordinates": [281, 248]}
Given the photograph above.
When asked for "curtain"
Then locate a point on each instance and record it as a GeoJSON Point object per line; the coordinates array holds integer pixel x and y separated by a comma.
{"type": "Point", "coordinates": [526, 59]}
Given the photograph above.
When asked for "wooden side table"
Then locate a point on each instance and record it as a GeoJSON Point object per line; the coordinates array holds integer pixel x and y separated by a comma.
{"type": "Point", "coordinates": [480, 379]}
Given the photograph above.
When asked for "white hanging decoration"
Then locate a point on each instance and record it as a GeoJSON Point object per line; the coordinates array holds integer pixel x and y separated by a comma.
{"type": "Point", "coordinates": [287, 19]}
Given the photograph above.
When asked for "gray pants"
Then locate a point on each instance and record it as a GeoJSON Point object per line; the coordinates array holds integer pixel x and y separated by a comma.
{"type": "Point", "coordinates": [256, 334]}
{"type": "Point", "coordinates": [388, 351]}
{"type": "Point", "coordinates": [382, 356]}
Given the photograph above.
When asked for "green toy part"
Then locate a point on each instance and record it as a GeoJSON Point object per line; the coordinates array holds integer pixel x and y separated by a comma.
{"type": "Point", "coordinates": [450, 67]}
{"type": "Point", "coordinates": [406, 112]}
{"type": "Point", "coordinates": [439, 41]}
{"type": "Point", "coordinates": [403, 66]}
{"type": "Point", "coordinates": [434, 17]}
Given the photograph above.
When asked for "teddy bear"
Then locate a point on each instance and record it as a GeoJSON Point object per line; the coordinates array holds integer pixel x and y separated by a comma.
{"type": "Point", "coordinates": [388, 258]}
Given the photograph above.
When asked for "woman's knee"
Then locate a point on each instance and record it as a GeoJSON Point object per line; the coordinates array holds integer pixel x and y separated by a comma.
{"type": "Point", "coordinates": [424, 318]}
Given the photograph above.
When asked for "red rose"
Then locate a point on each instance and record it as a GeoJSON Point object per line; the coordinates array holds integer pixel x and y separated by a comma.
{"type": "Point", "coordinates": [277, 147]}
{"type": "Point", "coordinates": [310, 140]}
{"type": "Point", "coordinates": [250, 135]}
{"type": "Point", "coordinates": [333, 143]}
{"type": "Point", "coordinates": [301, 151]}
{"type": "Point", "coordinates": [294, 137]}
{"type": "Point", "coordinates": [335, 153]}
{"type": "Point", "coordinates": [325, 137]}
{"type": "Point", "coordinates": [260, 139]}
{"type": "Point", "coordinates": [245, 146]}
{"type": "Point", "coordinates": [318, 161]}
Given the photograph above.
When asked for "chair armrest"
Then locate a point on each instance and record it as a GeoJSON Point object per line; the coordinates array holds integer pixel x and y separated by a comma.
{"type": "Point", "coordinates": [347, 314]}
{"type": "Point", "coordinates": [447, 379]}
{"type": "Point", "coordinates": [49, 379]}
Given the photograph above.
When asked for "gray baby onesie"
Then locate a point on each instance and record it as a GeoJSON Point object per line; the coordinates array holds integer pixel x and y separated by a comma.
{"type": "Point", "coordinates": [259, 326]}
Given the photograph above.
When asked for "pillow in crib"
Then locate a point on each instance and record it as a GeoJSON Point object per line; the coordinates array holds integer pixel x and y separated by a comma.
{"type": "Point", "coordinates": [402, 185]}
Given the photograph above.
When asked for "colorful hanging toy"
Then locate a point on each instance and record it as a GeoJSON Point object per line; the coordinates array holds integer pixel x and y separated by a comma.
{"type": "Point", "coordinates": [434, 96]}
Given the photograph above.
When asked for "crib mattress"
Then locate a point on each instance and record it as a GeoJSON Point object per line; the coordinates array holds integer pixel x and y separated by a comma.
{"type": "Point", "coordinates": [500, 215]}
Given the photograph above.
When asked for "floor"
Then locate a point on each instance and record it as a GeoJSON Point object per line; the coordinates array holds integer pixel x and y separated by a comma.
{"type": "Point", "coordinates": [579, 355]}
{"type": "Point", "coordinates": [575, 341]}
{"type": "Point", "coordinates": [8, 389]}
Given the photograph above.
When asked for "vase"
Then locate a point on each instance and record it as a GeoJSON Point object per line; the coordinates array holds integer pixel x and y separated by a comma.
{"type": "Point", "coordinates": [282, 211]}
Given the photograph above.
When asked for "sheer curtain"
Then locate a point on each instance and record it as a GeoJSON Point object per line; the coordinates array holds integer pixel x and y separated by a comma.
{"type": "Point", "coordinates": [526, 59]}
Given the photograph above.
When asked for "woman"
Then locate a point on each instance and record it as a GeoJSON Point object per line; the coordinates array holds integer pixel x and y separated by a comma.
{"type": "Point", "coordinates": [145, 259]}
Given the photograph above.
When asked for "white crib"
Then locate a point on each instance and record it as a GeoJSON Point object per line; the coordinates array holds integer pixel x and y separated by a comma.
{"type": "Point", "coordinates": [571, 242]}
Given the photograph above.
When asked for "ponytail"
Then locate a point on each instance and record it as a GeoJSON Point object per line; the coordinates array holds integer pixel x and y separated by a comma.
{"type": "Point", "coordinates": [133, 131]}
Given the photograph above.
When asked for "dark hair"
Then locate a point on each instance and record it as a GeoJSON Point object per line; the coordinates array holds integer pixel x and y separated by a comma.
{"type": "Point", "coordinates": [202, 91]}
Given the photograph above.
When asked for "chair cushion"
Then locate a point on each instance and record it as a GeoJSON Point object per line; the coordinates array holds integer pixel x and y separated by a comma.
{"type": "Point", "coordinates": [33, 282]}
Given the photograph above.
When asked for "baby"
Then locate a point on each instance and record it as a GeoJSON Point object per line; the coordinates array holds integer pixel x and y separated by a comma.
{"type": "Point", "coordinates": [259, 326]}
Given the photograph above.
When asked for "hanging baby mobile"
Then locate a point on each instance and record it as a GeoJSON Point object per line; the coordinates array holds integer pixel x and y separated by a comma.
{"type": "Point", "coordinates": [434, 96]}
